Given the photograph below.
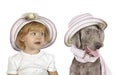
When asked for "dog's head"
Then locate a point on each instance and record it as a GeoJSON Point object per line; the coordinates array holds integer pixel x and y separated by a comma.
{"type": "Point", "coordinates": [86, 32]}
{"type": "Point", "coordinates": [89, 38]}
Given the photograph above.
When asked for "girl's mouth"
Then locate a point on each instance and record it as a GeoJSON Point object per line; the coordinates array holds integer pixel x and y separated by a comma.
{"type": "Point", "coordinates": [38, 43]}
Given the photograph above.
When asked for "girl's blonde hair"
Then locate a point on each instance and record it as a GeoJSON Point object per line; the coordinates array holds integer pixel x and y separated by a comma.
{"type": "Point", "coordinates": [32, 26]}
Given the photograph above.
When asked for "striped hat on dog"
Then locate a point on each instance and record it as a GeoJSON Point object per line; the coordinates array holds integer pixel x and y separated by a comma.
{"type": "Point", "coordinates": [80, 22]}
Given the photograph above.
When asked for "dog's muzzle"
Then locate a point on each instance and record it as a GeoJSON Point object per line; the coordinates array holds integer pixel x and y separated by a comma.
{"type": "Point", "coordinates": [91, 52]}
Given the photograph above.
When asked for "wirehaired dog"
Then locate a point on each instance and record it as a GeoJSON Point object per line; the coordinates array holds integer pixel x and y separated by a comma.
{"type": "Point", "coordinates": [88, 38]}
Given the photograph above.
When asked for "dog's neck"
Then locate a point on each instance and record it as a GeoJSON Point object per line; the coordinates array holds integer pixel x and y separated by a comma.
{"type": "Point", "coordinates": [82, 56]}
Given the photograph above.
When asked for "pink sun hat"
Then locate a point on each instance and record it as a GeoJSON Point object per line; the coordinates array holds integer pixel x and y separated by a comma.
{"type": "Point", "coordinates": [27, 18]}
{"type": "Point", "coordinates": [79, 22]}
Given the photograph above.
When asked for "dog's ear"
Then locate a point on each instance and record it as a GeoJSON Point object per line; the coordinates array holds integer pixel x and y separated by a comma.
{"type": "Point", "coordinates": [76, 40]}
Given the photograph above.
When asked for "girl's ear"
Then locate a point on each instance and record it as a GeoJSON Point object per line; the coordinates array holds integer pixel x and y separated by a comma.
{"type": "Point", "coordinates": [22, 38]}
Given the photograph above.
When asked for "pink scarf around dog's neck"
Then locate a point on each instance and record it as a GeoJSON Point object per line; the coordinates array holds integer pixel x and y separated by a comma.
{"type": "Point", "coordinates": [81, 56]}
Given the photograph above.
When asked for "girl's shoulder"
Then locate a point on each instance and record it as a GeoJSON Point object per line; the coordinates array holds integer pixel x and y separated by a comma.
{"type": "Point", "coordinates": [47, 55]}
{"type": "Point", "coordinates": [16, 56]}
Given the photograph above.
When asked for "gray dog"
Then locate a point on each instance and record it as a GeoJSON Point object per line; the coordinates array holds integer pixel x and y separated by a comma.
{"type": "Point", "coordinates": [91, 37]}
{"type": "Point", "coordinates": [85, 37]}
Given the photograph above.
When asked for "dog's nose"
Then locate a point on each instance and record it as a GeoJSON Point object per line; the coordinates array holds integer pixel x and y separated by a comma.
{"type": "Point", "coordinates": [98, 45]}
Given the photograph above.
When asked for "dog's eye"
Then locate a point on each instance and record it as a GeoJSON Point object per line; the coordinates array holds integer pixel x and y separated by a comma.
{"type": "Point", "coordinates": [87, 32]}
{"type": "Point", "coordinates": [98, 31]}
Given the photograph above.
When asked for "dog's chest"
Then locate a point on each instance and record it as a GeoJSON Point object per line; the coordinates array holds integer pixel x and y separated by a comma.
{"type": "Point", "coordinates": [86, 68]}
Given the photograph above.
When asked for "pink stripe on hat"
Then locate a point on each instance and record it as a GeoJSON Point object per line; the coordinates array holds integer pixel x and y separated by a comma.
{"type": "Point", "coordinates": [79, 18]}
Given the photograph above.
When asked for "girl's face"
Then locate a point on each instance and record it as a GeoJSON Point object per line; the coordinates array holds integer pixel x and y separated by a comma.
{"type": "Point", "coordinates": [34, 40]}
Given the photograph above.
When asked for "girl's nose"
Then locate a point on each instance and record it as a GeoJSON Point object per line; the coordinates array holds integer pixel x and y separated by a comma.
{"type": "Point", "coordinates": [39, 36]}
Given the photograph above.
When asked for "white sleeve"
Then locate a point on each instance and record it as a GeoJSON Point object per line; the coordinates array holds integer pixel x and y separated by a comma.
{"type": "Point", "coordinates": [51, 66]}
{"type": "Point", "coordinates": [12, 68]}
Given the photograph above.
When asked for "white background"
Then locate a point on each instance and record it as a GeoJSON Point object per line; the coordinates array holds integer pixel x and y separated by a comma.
{"type": "Point", "coordinates": [61, 12]}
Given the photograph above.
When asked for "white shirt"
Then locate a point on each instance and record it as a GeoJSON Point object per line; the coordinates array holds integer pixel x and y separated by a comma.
{"type": "Point", "coordinates": [26, 64]}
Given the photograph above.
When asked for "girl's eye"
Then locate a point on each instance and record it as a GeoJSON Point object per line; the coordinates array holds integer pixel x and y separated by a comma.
{"type": "Point", "coordinates": [42, 34]}
{"type": "Point", "coordinates": [33, 33]}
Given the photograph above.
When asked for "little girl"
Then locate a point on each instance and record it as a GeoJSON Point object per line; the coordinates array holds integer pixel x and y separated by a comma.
{"type": "Point", "coordinates": [28, 36]}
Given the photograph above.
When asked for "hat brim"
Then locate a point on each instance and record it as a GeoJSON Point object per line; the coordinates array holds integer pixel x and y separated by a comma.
{"type": "Point", "coordinates": [21, 22]}
{"type": "Point", "coordinates": [79, 25]}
